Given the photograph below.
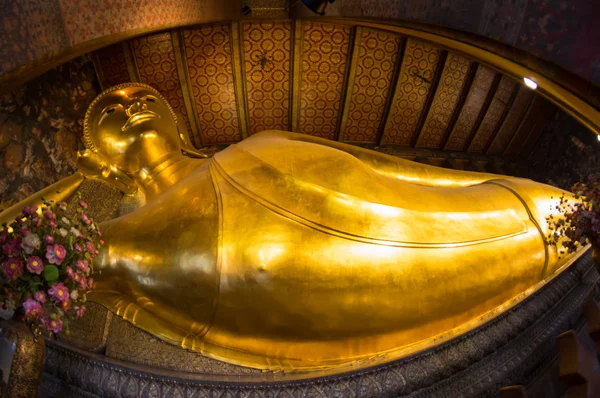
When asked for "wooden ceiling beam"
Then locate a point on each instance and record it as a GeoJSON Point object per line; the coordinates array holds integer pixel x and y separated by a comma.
{"type": "Point", "coordinates": [526, 115]}
{"type": "Point", "coordinates": [486, 105]}
{"type": "Point", "coordinates": [392, 91]}
{"type": "Point", "coordinates": [507, 109]}
{"type": "Point", "coordinates": [432, 93]}
{"type": "Point", "coordinates": [461, 102]}
{"type": "Point", "coordinates": [346, 96]}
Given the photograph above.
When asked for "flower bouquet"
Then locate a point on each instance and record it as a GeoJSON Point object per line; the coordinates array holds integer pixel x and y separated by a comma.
{"type": "Point", "coordinates": [46, 261]}
{"type": "Point", "coordinates": [579, 221]}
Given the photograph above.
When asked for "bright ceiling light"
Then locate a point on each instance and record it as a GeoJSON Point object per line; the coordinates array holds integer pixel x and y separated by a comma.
{"type": "Point", "coordinates": [530, 83]}
{"type": "Point", "coordinates": [598, 136]}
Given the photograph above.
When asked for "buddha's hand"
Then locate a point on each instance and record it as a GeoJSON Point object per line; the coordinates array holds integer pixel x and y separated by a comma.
{"type": "Point", "coordinates": [94, 166]}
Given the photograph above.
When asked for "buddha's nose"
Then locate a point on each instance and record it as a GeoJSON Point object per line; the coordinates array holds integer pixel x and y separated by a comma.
{"type": "Point", "coordinates": [136, 106]}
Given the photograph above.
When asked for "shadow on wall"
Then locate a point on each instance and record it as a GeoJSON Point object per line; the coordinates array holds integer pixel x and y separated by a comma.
{"type": "Point", "coordinates": [41, 127]}
{"type": "Point", "coordinates": [565, 153]}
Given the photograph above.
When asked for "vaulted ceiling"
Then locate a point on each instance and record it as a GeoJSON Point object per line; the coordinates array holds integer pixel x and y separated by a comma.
{"type": "Point", "coordinates": [338, 81]}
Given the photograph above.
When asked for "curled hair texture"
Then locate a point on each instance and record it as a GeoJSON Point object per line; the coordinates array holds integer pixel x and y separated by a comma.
{"type": "Point", "coordinates": [87, 138]}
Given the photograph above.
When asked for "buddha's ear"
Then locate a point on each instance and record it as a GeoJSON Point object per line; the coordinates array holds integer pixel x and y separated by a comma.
{"type": "Point", "coordinates": [92, 165]}
{"type": "Point", "coordinates": [186, 143]}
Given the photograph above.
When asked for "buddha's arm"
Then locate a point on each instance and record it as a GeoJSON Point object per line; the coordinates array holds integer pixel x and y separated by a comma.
{"type": "Point", "coordinates": [58, 191]}
{"type": "Point", "coordinates": [394, 167]}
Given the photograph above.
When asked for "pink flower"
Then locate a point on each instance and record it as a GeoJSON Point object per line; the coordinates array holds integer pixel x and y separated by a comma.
{"type": "Point", "coordinates": [12, 247]}
{"type": "Point", "coordinates": [13, 268]}
{"type": "Point", "coordinates": [49, 215]}
{"type": "Point", "coordinates": [3, 235]}
{"type": "Point", "coordinates": [80, 311]}
{"type": "Point", "coordinates": [65, 305]}
{"type": "Point", "coordinates": [40, 296]}
{"type": "Point", "coordinates": [70, 272]}
{"type": "Point", "coordinates": [101, 242]}
{"type": "Point", "coordinates": [37, 222]}
{"type": "Point", "coordinates": [99, 233]}
{"type": "Point", "coordinates": [83, 204]}
{"type": "Point", "coordinates": [25, 232]}
{"type": "Point", "coordinates": [30, 210]}
{"type": "Point", "coordinates": [83, 266]}
{"type": "Point", "coordinates": [54, 325]}
{"type": "Point", "coordinates": [85, 219]}
{"type": "Point", "coordinates": [59, 292]}
{"type": "Point", "coordinates": [90, 285]}
{"type": "Point", "coordinates": [52, 223]}
{"type": "Point", "coordinates": [78, 247]}
{"type": "Point", "coordinates": [49, 239]}
{"type": "Point", "coordinates": [82, 282]}
{"type": "Point", "coordinates": [55, 254]}
{"type": "Point", "coordinates": [35, 265]}
{"type": "Point", "coordinates": [33, 309]}
{"type": "Point", "coordinates": [90, 247]}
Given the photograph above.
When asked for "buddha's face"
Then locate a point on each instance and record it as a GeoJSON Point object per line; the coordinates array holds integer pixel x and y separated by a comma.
{"type": "Point", "coordinates": [132, 128]}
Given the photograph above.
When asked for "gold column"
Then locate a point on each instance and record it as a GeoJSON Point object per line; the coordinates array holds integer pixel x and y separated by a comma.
{"type": "Point", "coordinates": [239, 81]}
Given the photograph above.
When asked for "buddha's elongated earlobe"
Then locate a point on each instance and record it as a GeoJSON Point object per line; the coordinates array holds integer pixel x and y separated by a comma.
{"type": "Point", "coordinates": [93, 165]}
{"type": "Point", "coordinates": [186, 143]}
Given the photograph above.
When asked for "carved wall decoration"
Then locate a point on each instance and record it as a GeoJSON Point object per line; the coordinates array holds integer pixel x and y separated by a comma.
{"type": "Point", "coordinates": [155, 62]}
{"type": "Point", "coordinates": [499, 104]}
{"type": "Point", "coordinates": [324, 59]}
{"type": "Point", "coordinates": [514, 117]}
{"type": "Point", "coordinates": [267, 82]}
{"type": "Point", "coordinates": [208, 53]}
{"type": "Point", "coordinates": [370, 84]}
{"type": "Point", "coordinates": [469, 113]}
{"type": "Point", "coordinates": [418, 70]}
{"type": "Point", "coordinates": [452, 82]}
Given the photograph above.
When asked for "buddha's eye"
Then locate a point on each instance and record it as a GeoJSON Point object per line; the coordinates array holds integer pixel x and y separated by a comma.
{"type": "Point", "coordinates": [151, 99]}
{"type": "Point", "coordinates": [111, 110]}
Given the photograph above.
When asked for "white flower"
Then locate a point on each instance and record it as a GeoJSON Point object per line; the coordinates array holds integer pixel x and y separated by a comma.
{"type": "Point", "coordinates": [62, 232]}
{"type": "Point", "coordinates": [74, 295]}
{"type": "Point", "coordinates": [75, 232]}
{"type": "Point", "coordinates": [65, 221]}
{"type": "Point", "coordinates": [30, 243]}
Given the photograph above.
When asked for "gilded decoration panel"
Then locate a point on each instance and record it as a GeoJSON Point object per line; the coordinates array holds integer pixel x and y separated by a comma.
{"type": "Point", "coordinates": [208, 54]}
{"type": "Point", "coordinates": [324, 58]}
{"type": "Point", "coordinates": [419, 67]}
{"type": "Point", "coordinates": [451, 85]}
{"type": "Point", "coordinates": [499, 104]}
{"type": "Point", "coordinates": [155, 62]}
{"type": "Point", "coordinates": [514, 117]}
{"type": "Point", "coordinates": [371, 87]}
{"type": "Point", "coordinates": [113, 65]}
{"type": "Point", "coordinates": [267, 69]}
{"type": "Point", "coordinates": [469, 113]}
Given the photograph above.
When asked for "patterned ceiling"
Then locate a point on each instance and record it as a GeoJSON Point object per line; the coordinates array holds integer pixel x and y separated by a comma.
{"type": "Point", "coordinates": [341, 82]}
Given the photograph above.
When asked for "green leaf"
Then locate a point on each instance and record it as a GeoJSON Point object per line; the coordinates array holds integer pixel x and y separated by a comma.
{"type": "Point", "coordinates": [50, 273]}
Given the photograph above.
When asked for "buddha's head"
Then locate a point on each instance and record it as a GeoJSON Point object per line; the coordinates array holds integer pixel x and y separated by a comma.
{"type": "Point", "coordinates": [131, 126]}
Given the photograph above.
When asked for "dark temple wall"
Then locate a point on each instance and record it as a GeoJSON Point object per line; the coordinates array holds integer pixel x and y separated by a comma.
{"type": "Point", "coordinates": [41, 129]}
{"type": "Point", "coordinates": [565, 153]}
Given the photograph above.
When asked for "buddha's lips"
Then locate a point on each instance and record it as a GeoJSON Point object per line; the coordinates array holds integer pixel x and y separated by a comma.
{"type": "Point", "coordinates": [139, 118]}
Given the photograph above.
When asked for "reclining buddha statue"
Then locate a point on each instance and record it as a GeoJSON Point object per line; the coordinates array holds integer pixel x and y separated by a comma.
{"type": "Point", "coordinates": [286, 251]}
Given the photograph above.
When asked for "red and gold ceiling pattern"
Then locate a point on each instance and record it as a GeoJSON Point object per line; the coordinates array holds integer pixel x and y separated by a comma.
{"type": "Point", "coordinates": [324, 59]}
{"type": "Point", "coordinates": [334, 81]}
{"type": "Point", "coordinates": [377, 53]}
{"type": "Point", "coordinates": [419, 67]}
{"type": "Point", "coordinates": [155, 62]}
{"type": "Point", "coordinates": [267, 68]}
{"type": "Point", "coordinates": [208, 58]}
{"type": "Point", "coordinates": [449, 90]}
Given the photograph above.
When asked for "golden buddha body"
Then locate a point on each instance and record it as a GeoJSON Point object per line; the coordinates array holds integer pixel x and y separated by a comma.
{"type": "Point", "coordinates": [287, 251]}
